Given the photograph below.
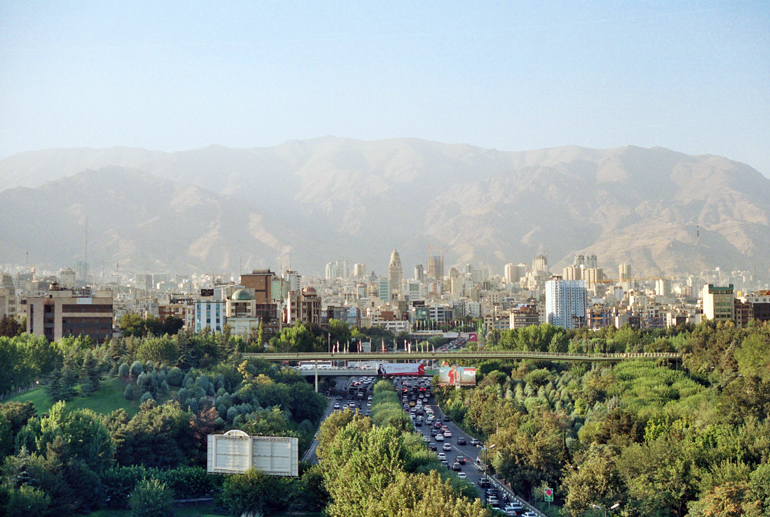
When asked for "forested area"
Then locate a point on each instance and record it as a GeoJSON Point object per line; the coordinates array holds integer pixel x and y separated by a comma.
{"type": "Point", "coordinates": [657, 438]}
{"type": "Point", "coordinates": [185, 386]}
{"type": "Point", "coordinates": [690, 437]}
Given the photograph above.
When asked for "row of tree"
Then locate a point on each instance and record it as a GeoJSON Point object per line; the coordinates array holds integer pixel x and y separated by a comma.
{"type": "Point", "coordinates": [656, 439]}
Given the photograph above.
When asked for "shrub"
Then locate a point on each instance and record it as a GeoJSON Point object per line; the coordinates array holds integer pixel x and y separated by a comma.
{"type": "Point", "coordinates": [147, 396]}
{"type": "Point", "coordinates": [151, 498]}
{"type": "Point", "coordinates": [129, 392]}
{"type": "Point", "coordinates": [175, 376]}
{"type": "Point", "coordinates": [123, 370]}
{"type": "Point", "coordinates": [136, 369]}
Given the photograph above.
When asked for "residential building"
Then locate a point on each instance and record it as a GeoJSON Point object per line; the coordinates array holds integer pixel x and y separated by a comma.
{"type": "Point", "coordinates": [524, 316]}
{"type": "Point", "coordinates": [209, 313]}
{"type": "Point", "coordinates": [565, 303]}
{"type": "Point", "coordinates": [718, 302]}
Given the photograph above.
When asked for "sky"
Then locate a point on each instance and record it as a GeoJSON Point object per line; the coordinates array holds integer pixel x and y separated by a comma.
{"type": "Point", "coordinates": [690, 76]}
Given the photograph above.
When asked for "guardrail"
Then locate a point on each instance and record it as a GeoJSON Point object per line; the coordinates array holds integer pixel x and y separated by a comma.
{"type": "Point", "coordinates": [496, 354]}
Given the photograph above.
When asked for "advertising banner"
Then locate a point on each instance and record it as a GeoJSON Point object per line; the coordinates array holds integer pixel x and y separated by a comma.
{"type": "Point", "coordinates": [235, 452]}
{"type": "Point", "coordinates": [473, 337]}
{"type": "Point", "coordinates": [457, 376]}
{"type": "Point", "coordinates": [401, 369]}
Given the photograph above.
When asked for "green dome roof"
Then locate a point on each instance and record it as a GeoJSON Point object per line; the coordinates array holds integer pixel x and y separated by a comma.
{"type": "Point", "coordinates": [241, 295]}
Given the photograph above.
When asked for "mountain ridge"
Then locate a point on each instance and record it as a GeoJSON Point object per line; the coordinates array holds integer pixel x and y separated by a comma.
{"type": "Point", "coordinates": [358, 200]}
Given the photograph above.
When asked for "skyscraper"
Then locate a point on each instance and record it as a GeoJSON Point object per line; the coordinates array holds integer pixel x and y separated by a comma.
{"type": "Point", "coordinates": [565, 303]}
{"type": "Point", "coordinates": [436, 265]}
{"type": "Point", "coordinates": [394, 276]}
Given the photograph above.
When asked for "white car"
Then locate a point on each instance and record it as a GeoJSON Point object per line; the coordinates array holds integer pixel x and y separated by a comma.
{"type": "Point", "coordinates": [441, 456]}
{"type": "Point", "coordinates": [461, 475]}
{"type": "Point", "coordinates": [447, 446]}
{"type": "Point", "coordinates": [439, 437]}
{"type": "Point", "coordinates": [447, 434]}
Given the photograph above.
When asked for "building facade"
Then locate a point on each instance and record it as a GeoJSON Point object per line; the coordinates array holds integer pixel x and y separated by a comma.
{"type": "Point", "coordinates": [63, 313]}
{"type": "Point", "coordinates": [718, 302]}
{"type": "Point", "coordinates": [565, 303]}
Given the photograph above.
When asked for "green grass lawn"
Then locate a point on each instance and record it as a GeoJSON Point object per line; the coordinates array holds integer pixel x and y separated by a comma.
{"type": "Point", "coordinates": [107, 399]}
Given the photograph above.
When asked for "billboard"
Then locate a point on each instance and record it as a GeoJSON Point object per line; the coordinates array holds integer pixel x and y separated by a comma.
{"type": "Point", "coordinates": [235, 452]}
{"type": "Point", "coordinates": [473, 337]}
{"type": "Point", "coordinates": [457, 375]}
{"type": "Point", "coordinates": [400, 369]}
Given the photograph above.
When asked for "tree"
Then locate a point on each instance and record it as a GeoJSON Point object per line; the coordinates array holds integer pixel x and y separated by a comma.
{"type": "Point", "coordinates": [90, 375]}
{"type": "Point", "coordinates": [132, 325]}
{"type": "Point", "coordinates": [9, 327]}
{"type": "Point", "coordinates": [26, 501]}
{"type": "Point", "coordinates": [159, 350]}
{"type": "Point", "coordinates": [253, 492]}
{"type": "Point", "coordinates": [151, 498]}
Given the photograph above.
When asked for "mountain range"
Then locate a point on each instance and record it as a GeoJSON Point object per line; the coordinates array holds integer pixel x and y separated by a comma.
{"type": "Point", "coordinates": [305, 203]}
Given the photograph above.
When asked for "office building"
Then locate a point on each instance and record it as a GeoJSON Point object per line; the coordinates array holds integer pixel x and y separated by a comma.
{"type": "Point", "coordinates": [62, 313]}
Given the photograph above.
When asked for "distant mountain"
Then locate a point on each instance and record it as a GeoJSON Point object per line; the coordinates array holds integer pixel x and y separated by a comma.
{"type": "Point", "coordinates": [138, 221]}
{"type": "Point", "coordinates": [329, 198]}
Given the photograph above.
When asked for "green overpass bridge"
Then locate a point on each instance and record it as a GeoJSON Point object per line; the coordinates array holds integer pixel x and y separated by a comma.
{"type": "Point", "coordinates": [439, 356]}
{"type": "Point", "coordinates": [459, 356]}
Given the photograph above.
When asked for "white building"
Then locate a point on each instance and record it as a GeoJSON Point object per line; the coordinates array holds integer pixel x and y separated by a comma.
{"type": "Point", "coordinates": [565, 303]}
{"type": "Point", "coordinates": [209, 313]}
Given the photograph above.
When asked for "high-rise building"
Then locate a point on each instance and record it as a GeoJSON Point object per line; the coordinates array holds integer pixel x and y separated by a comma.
{"type": "Point", "coordinates": [719, 302]}
{"type": "Point", "coordinates": [580, 260]}
{"type": "Point", "coordinates": [510, 273]}
{"type": "Point", "coordinates": [419, 272]}
{"type": "Point", "coordinates": [359, 270]}
{"type": "Point", "coordinates": [592, 261]}
{"type": "Point", "coordinates": [663, 287]}
{"type": "Point", "coordinates": [436, 265]}
{"type": "Point", "coordinates": [540, 263]}
{"type": "Point", "coordinates": [565, 303]}
{"type": "Point", "coordinates": [331, 271]}
{"type": "Point", "coordinates": [394, 277]}
{"type": "Point", "coordinates": [624, 272]}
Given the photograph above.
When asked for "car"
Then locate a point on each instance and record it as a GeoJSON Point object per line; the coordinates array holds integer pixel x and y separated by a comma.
{"type": "Point", "coordinates": [426, 438]}
{"type": "Point", "coordinates": [446, 418]}
{"type": "Point", "coordinates": [336, 405]}
{"type": "Point", "coordinates": [460, 459]}
{"type": "Point", "coordinates": [445, 463]}
{"type": "Point", "coordinates": [461, 475]}
{"type": "Point", "coordinates": [475, 442]}
{"type": "Point", "coordinates": [447, 434]}
{"type": "Point", "coordinates": [339, 397]}
{"type": "Point", "coordinates": [483, 483]}
{"type": "Point", "coordinates": [447, 446]}
{"type": "Point", "coordinates": [461, 440]}
{"type": "Point", "coordinates": [439, 437]}
{"type": "Point", "coordinates": [456, 466]}
{"type": "Point", "coordinates": [411, 403]}
{"type": "Point", "coordinates": [432, 446]}
{"type": "Point", "coordinates": [441, 456]}
{"type": "Point", "coordinates": [418, 423]}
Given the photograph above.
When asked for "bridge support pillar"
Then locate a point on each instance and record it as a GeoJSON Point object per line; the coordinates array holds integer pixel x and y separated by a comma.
{"type": "Point", "coordinates": [316, 376]}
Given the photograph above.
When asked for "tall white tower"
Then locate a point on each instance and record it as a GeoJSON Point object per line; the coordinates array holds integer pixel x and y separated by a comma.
{"type": "Point", "coordinates": [394, 276]}
{"type": "Point", "coordinates": [565, 303]}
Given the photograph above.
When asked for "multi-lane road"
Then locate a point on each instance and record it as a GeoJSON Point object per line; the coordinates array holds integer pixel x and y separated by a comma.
{"type": "Point", "coordinates": [342, 398]}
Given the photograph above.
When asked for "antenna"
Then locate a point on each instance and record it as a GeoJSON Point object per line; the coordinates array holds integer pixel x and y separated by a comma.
{"type": "Point", "coordinates": [85, 274]}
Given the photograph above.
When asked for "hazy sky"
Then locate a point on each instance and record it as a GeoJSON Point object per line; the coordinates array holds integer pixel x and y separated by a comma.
{"type": "Point", "coordinates": [691, 76]}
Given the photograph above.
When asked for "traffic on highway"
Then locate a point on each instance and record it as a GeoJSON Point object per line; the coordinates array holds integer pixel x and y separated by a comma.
{"type": "Point", "coordinates": [457, 450]}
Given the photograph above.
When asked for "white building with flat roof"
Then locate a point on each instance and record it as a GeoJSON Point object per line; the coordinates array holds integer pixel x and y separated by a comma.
{"type": "Point", "coordinates": [565, 303]}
